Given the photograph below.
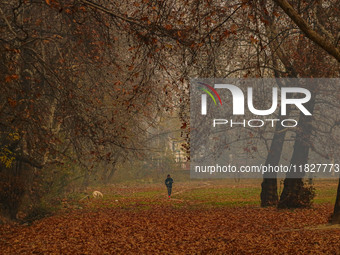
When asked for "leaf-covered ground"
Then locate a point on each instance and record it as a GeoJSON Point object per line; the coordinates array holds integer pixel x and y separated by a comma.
{"type": "Point", "coordinates": [141, 220]}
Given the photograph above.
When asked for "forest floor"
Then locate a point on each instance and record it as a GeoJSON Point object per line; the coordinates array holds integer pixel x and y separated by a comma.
{"type": "Point", "coordinates": [202, 217]}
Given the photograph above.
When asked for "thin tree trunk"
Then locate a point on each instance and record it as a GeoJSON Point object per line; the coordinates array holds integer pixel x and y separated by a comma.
{"type": "Point", "coordinates": [113, 170]}
{"type": "Point", "coordinates": [108, 178]}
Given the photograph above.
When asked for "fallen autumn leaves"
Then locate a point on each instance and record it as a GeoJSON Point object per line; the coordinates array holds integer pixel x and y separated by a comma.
{"type": "Point", "coordinates": [165, 229]}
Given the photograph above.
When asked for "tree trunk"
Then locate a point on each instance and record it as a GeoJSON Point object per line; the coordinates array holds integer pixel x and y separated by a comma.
{"type": "Point", "coordinates": [108, 177]}
{"type": "Point", "coordinates": [113, 170]}
{"type": "Point", "coordinates": [335, 218]}
{"type": "Point", "coordinates": [269, 196]}
{"type": "Point", "coordinates": [294, 193]}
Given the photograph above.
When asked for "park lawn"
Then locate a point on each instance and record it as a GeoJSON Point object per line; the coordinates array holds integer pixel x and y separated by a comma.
{"type": "Point", "coordinates": [211, 193]}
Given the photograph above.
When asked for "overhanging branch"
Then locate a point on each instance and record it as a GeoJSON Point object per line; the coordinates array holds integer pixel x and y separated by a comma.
{"type": "Point", "coordinates": [320, 40]}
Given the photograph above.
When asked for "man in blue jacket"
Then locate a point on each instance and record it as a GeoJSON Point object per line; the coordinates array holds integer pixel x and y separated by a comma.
{"type": "Point", "coordinates": [168, 183]}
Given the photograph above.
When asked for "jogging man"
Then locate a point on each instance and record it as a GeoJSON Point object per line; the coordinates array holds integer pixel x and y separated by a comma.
{"type": "Point", "coordinates": [168, 182]}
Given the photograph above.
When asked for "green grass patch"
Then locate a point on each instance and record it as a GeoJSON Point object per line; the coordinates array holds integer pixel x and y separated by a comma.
{"type": "Point", "coordinates": [198, 194]}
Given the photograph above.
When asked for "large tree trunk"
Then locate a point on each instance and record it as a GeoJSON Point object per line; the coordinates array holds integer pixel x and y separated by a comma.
{"type": "Point", "coordinates": [12, 188]}
{"type": "Point", "coordinates": [294, 194]}
{"type": "Point", "coordinates": [335, 219]}
{"type": "Point", "coordinates": [269, 196]}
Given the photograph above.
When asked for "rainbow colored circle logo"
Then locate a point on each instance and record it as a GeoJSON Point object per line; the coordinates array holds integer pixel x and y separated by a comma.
{"type": "Point", "coordinates": [209, 93]}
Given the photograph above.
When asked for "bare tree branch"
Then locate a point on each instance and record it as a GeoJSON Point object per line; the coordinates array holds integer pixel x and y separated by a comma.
{"type": "Point", "coordinates": [320, 40]}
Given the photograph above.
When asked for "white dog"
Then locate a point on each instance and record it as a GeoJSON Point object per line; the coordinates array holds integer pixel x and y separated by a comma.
{"type": "Point", "coordinates": [97, 194]}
